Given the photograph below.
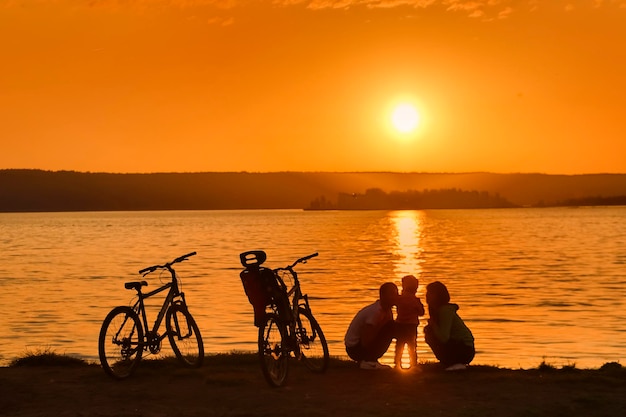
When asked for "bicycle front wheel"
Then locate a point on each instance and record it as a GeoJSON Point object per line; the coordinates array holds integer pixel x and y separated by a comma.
{"type": "Point", "coordinates": [273, 353]}
{"type": "Point", "coordinates": [311, 342]}
{"type": "Point", "coordinates": [184, 336]}
{"type": "Point", "coordinates": [120, 344]}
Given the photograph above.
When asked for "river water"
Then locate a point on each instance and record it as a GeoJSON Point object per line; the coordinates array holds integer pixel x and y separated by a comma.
{"type": "Point", "coordinates": [533, 284]}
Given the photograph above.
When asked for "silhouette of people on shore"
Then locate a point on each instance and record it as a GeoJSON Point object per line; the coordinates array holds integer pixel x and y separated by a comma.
{"type": "Point", "coordinates": [447, 335]}
{"type": "Point", "coordinates": [372, 329]}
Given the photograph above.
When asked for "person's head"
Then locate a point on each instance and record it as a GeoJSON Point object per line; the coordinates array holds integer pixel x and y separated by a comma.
{"type": "Point", "coordinates": [437, 294]}
{"type": "Point", "coordinates": [409, 284]}
{"type": "Point", "coordinates": [388, 294]}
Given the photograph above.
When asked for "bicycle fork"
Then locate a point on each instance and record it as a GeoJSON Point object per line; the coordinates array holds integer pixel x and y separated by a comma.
{"type": "Point", "coordinates": [180, 306]}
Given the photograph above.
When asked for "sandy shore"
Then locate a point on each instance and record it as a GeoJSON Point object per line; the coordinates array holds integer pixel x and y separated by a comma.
{"type": "Point", "coordinates": [232, 385]}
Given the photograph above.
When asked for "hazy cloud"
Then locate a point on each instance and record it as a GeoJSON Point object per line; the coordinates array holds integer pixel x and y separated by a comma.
{"type": "Point", "coordinates": [494, 9]}
{"type": "Point", "coordinates": [472, 8]}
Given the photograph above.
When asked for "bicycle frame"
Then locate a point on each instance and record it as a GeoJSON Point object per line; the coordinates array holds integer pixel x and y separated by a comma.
{"type": "Point", "coordinates": [140, 306]}
{"type": "Point", "coordinates": [297, 299]}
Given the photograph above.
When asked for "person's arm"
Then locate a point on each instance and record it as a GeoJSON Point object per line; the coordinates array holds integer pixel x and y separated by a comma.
{"type": "Point", "coordinates": [371, 330]}
{"type": "Point", "coordinates": [441, 328]}
{"type": "Point", "coordinates": [420, 308]}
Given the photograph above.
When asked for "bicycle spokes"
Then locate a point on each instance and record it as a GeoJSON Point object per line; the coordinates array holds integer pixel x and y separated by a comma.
{"type": "Point", "coordinates": [126, 337]}
{"type": "Point", "coordinates": [274, 350]}
{"type": "Point", "coordinates": [120, 342]}
{"type": "Point", "coordinates": [273, 344]}
{"type": "Point", "coordinates": [127, 347]}
{"type": "Point", "coordinates": [181, 331]}
{"type": "Point", "coordinates": [184, 336]}
{"type": "Point", "coordinates": [273, 353]}
{"type": "Point", "coordinates": [313, 345]}
{"type": "Point", "coordinates": [305, 339]}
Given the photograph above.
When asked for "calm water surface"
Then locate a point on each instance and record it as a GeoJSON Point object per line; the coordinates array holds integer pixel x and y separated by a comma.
{"type": "Point", "coordinates": [533, 284]}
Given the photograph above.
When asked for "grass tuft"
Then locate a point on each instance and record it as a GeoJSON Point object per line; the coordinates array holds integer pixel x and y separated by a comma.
{"type": "Point", "coordinates": [612, 367]}
{"type": "Point", "coordinates": [46, 357]}
{"type": "Point", "coordinates": [546, 367]}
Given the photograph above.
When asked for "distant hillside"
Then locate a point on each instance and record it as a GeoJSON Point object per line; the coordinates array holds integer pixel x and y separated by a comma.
{"type": "Point", "coordinates": [36, 190]}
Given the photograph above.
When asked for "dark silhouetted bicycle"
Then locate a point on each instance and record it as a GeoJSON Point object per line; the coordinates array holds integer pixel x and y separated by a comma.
{"type": "Point", "coordinates": [284, 318]}
{"type": "Point", "coordinates": [125, 334]}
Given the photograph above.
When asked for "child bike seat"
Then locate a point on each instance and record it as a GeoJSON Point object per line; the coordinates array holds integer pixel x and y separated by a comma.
{"type": "Point", "coordinates": [253, 258]}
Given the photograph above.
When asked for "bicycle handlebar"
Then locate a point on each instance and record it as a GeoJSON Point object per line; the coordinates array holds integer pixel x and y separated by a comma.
{"type": "Point", "coordinates": [301, 260]}
{"type": "Point", "coordinates": [306, 258]}
{"type": "Point", "coordinates": [153, 268]}
{"type": "Point", "coordinates": [183, 258]}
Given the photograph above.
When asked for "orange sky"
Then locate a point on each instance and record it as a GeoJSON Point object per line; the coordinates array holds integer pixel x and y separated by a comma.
{"type": "Point", "coordinates": [292, 85]}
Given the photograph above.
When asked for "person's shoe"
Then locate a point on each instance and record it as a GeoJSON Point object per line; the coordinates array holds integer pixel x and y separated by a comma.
{"type": "Point", "coordinates": [456, 367]}
{"type": "Point", "coordinates": [373, 366]}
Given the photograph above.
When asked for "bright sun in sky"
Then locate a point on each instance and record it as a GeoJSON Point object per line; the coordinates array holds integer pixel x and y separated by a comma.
{"type": "Point", "coordinates": [405, 118]}
{"type": "Point", "coordinates": [437, 85]}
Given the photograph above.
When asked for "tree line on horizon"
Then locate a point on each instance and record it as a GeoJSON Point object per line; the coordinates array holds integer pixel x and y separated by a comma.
{"type": "Point", "coordinates": [377, 199]}
{"type": "Point", "coordinates": [29, 190]}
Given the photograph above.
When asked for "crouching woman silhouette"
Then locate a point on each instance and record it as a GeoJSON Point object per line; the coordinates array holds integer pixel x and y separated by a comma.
{"type": "Point", "coordinates": [447, 335]}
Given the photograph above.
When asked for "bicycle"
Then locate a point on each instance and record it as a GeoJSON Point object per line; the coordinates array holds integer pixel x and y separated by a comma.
{"type": "Point", "coordinates": [284, 318]}
{"type": "Point", "coordinates": [125, 334]}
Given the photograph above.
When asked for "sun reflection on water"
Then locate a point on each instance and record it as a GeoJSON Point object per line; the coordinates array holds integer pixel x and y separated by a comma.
{"type": "Point", "coordinates": [406, 240]}
{"type": "Point", "coordinates": [408, 232]}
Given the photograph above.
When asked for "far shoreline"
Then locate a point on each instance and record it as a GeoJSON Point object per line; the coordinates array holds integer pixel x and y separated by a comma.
{"type": "Point", "coordinates": [68, 191]}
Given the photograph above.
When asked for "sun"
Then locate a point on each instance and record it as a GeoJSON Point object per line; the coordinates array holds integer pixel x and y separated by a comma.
{"type": "Point", "coordinates": [405, 118]}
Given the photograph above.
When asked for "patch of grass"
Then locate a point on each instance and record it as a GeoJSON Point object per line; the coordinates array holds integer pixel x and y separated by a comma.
{"type": "Point", "coordinates": [612, 367]}
{"type": "Point", "coordinates": [546, 367]}
{"type": "Point", "coordinates": [569, 366]}
{"type": "Point", "coordinates": [46, 357]}
{"type": "Point", "coordinates": [163, 362]}
{"type": "Point", "coordinates": [235, 358]}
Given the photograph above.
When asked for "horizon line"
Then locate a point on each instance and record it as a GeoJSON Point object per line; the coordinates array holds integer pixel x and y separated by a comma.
{"type": "Point", "coordinates": [308, 172]}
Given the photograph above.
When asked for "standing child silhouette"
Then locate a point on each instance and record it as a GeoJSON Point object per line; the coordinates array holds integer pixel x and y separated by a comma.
{"type": "Point", "coordinates": [409, 309]}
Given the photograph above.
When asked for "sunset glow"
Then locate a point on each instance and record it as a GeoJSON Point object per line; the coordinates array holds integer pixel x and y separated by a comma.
{"type": "Point", "coordinates": [205, 85]}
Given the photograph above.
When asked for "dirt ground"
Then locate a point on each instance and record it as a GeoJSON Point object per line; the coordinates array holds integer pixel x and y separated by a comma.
{"type": "Point", "coordinates": [234, 386]}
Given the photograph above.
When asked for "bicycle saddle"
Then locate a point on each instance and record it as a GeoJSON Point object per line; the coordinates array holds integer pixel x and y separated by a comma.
{"type": "Point", "coordinates": [254, 258]}
{"type": "Point", "coordinates": [135, 285]}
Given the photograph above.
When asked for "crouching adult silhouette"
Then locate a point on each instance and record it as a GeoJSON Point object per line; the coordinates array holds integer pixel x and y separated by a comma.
{"type": "Point", "coordinates": [447, 335]}
{"type": "Point", "coordinates": [372, 329]}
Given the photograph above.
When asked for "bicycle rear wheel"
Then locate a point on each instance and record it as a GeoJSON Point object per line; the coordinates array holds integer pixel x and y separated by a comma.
{"type": "Point", "coordinates": [311, 342]}
{"type": "Point", "coordinates": [184, 336]}
{"type": "Point", "coordinates": [273, 353]}
{"type": "Point", "coordinates": [120, 344]}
